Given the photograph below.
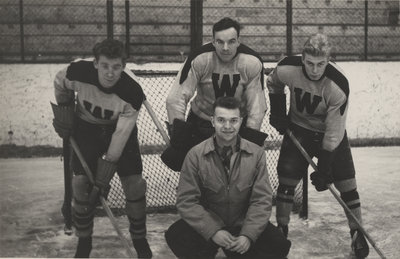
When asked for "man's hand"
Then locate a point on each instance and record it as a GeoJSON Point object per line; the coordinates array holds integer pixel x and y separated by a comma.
{"type": "Point", "coordinates": [104, 174]}
{"type": "Point", "coordinates": [241, 245]}
{"type": "Point", "coordinates": [223, 238]}
{"type": "Point", "coordinates": [63, 121]}
{"type": "Point", "coordinates": [280, 123]}
{"type": "Point", "coordinates": [320, 180]}
{"type": "Point", "coordinates": [323, 176]}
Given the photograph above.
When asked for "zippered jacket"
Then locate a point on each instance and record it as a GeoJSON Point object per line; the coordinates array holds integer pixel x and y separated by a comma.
{"type": "Point", "coordinates": [208, 200]}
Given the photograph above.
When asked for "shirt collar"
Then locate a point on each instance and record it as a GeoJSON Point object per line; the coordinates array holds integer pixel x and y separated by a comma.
{"type": "Point", "coordinates": [241, 146]}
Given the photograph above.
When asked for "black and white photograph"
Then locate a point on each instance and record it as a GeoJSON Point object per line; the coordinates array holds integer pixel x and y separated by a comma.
{"type": "Point", "coordinates": [244, 129]}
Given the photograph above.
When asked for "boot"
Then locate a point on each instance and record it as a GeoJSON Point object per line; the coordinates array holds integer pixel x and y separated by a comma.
{"type": "Point", "coordinates": [84, 247]}
{"type": "Point", "coordinates": [358, 244]}
{"type": "Point", "coordinates": [284, 229]}
{"type": "Point", "coordinates": [142, 248]}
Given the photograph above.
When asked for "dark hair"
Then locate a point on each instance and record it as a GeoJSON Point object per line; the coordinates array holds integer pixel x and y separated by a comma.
{"type": "Point", "coordinates": [226, 23]}
{"type": "Point", "coordinates": [111, 49]}
{"type": "Point", "coordinates": [227, 102]}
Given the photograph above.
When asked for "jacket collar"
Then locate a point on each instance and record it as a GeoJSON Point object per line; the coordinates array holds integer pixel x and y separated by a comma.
{"type": "Point", "coordinates": [209, 146]}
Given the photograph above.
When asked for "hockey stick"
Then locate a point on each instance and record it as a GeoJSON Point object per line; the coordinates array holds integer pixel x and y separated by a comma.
{"type": "Point", "coordinates": [66, 208]}
{"type": "Point", "coordinates": [156, 121]}
{"type": "Point", "coordinates": [102, 200]}
{"type": "Point", "coordinates": [335, 194]}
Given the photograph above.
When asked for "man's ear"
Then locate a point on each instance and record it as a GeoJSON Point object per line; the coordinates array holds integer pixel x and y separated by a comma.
{"type": "Point", "coordinates": [212, 121]}
{"type": "Point", "coordinates": [96, 63]}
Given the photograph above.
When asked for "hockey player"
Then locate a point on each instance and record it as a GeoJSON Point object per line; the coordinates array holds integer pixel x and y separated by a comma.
{"type": "Point", "coordinates": [108, 99]}
{"type": "Point", "coordinates": [224, 67]}
{"type": "Point", "coordinates": [224, 196]}
{"type": "Point", "coordinates": [319, 100]}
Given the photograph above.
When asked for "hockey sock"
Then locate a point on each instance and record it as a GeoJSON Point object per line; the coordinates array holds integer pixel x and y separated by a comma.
{"type": "Point", "coordinates": [352, 200]}
{"type": "Point", "coordinates": [142, 248]}
{"type": "Point", "coordinates": [284, 203]}
{"type": "Point", "coordinates": [84, 247]}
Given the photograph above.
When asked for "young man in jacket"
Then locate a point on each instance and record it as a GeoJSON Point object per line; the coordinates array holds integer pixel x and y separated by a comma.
{"type": "Point", "coordinates": [224, 196]}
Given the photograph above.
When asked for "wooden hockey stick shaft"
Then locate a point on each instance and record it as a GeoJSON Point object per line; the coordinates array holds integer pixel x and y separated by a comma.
{"type": "Point", "coordinates": [67, 188]}
{"type": "Point", "coordinates": [156, 121]}
{"type": "Point", "coordinates": [102, 200]}
{"type": "Point", "coordinates": [335, 194]}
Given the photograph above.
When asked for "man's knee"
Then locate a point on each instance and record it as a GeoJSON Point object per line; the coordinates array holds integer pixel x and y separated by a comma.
{"type": "Point", "coordinates": [80, 188]}
{"type": "Point", "coordinates": [175, 232]}
{"type": "Point", "coordinates": [83, 212]}
{"type": "Point", "coordinates": [173, 237]}
{"type": "Point", "coordinates": [278, 244]}
{"type": "Point", "coordinates": [184, 241]}
{"type": "Point", "coordinates": [134, 187]}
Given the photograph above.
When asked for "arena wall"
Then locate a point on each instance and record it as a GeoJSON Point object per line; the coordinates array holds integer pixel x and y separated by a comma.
{"type": "Point", "coordinates": [27, 89]}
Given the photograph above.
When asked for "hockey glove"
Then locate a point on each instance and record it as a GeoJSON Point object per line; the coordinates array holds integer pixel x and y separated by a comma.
{"type": "Point", "coordinates": [253, 135]}
{"type": "Point", "coordinates": [104, 174]}
{"type": "Point", "coordinates": [278, 118]}
{"type": "Point", "coordinates": [175, 153]}
{"type": "Point", "coordinates": [323, 176]}
{"type": "Point", "coordinates": [63, 121]}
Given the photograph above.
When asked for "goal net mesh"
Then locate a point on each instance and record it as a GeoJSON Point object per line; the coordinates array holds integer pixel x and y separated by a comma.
{"type": "Point", "coordinates": [162, 181]}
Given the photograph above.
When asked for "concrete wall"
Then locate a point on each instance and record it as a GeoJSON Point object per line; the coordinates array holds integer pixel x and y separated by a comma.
{"type": "Point", "coordinates": [26, 91]}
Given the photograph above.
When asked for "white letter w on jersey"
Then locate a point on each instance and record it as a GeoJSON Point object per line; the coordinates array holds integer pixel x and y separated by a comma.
{"type": "Point", "coordinates": [306, 101]}
{"type": "Point", "coordinates": [226, 88]}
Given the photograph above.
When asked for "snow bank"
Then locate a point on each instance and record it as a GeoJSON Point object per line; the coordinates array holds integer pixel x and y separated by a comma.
{"type": "Point", "coordinates": [27, 89]}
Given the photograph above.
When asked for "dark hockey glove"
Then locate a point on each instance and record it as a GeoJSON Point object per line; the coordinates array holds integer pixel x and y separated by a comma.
{"type": "Point", "coordinates": [63, 121]}
{"type": "Point", "coordinates": [323, 176]}
{"type": "Point", "coordinates": [180, 141]}
{"type": "Point", "coordinates": [253, 135]}
{"type": "Point", "coordinates": [104, 174]}
{"type": "Point", "coordinates": [278, 118]}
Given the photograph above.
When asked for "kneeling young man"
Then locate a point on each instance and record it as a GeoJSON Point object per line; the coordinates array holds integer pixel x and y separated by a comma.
{"type": "Point", "coordinates": [224, 196]}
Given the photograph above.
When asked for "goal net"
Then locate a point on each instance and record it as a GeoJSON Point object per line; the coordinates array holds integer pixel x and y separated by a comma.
{"type": "Point", "coordinates": [162, 181]}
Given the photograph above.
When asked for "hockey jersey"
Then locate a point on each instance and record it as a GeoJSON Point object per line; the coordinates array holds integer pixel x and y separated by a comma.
{"type": "Point", "coordinates": [98, 105]}
{"type": "Point", "coordinates": [319, 106]}
{"type": "Point", "coordinates": [206, 76]}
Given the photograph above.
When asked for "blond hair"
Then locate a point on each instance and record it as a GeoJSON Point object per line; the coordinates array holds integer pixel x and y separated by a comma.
{"type": "Point", "coordinates": [317, 45]}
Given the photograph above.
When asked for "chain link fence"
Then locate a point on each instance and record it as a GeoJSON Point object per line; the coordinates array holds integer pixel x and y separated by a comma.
{"type": "Point", "coordinates": [166, 30]}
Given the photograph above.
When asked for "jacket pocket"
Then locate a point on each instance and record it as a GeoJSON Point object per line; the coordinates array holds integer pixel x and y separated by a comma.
{"type": "Point", "coordinates": [244, 185]}
{"type": "Point", "coordinates": [212, 184]}
{"type": "Point", "coordinates": [210, 181]}
{"type": "Point", "coordinates": [245, 181]}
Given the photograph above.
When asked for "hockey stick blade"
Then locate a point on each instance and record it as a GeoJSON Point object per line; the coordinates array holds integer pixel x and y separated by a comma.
{"type": "Point", "coordinates": [335, 194]}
